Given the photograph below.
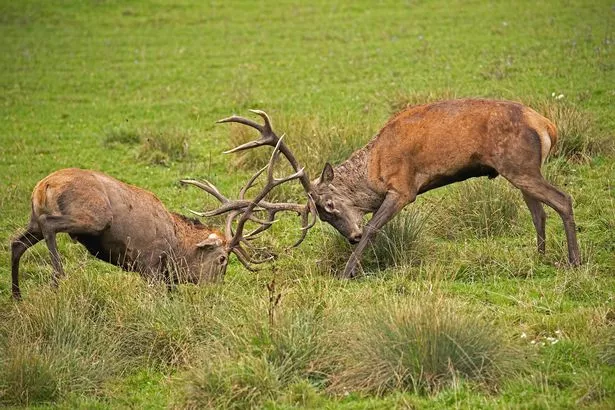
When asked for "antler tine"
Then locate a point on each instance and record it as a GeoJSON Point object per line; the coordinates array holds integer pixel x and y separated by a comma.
{"type": "Point", "coordinates": [305, 216]}
{"type": "Point", "coordinates": [227, 204]}
{"type": "Point", "coordinates": [268, 137]}
{"type": "Point", "coordinates": [228, 227]}
{"type": "Point", "coordinates": [207, 187]}
{"type": "Point", "coordinates": [265, 117]}
{"type": "Point", "coordinates": [265, 224]}
{"type": "Point", "coordinates": [246, 260]}
{"type": "Point", "coordinates": [231, 217]}
{"type": "Point", "coordinates": [250, 183]}
{"type": "Point", "coordinates": [242, 120]}
{"type": "Point", "coordinates": [243, 258]}
{"type": "Point", "coordinates": [270, 256]}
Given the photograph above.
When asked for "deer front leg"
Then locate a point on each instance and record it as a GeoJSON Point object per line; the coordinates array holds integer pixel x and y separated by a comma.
{"type": "Point", "coordinates": [392, 204]}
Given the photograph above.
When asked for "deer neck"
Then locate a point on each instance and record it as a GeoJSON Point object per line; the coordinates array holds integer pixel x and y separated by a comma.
{"type": "Point", "coordinates": [187, 231]}
{"type": "Point", "coordinates": [351, 179]}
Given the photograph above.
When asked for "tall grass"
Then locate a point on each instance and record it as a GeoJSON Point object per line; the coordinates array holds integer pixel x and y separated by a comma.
{"type": "Point", "coordinates": [155, 146]}
{"type": "Point", "coordinates": [579, 136]}
{"type": "Point", "coordinates": [478, 207]}
{"type": "Point", "coordinates": [406, 99]}
{"type": "Point", "coordinates": [93, 329]}
{"type": "Point", "coordinates": [58, 343]}
{"type": "Point", "coordinates": [259, 360]}
{"type": "Point", "coordinates": [399, 243]}
{"type": "Point", "coordinates": [422, 346]}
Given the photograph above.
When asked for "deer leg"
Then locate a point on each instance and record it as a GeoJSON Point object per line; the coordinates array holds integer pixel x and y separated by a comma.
{"type": "Point", "coordinates": [537, 187]}
{"type": "Point", "coordinates": [19, 245]}
{"type": "Point", "coordinates": [58, 271]}
{"type": "Point", "coordinates": [538, 217]}
{"type": "Point", "coordinates": [391, 205]}
{"type": "Point", "coordinates": [51, 225]}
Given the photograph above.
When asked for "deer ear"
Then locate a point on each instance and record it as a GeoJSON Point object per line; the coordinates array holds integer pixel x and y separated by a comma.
{"type": "Point", "coordinates": [327, 174]}
{"type": "Point", "coordinates": [212, 241]}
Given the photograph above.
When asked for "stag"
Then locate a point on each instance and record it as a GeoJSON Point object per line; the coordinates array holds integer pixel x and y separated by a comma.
{"type": "Point", "coordinates": [429, 146]}
{"type": "Point", "coordinates": [130, 227]}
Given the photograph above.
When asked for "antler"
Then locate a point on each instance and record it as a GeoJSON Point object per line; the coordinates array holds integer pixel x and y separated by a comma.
{"type": "Point", "coordinates": [245, 208]}
{"type": "Point", "coordinates": [268, 137]}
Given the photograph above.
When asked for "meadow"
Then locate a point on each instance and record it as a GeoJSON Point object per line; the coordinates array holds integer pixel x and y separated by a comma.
{"type": "Point", "coordinates": [455, 308]}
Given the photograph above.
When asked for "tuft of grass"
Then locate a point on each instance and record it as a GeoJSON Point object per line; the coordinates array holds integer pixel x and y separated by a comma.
{"type": "Point", "coordinates": [160, 147]}
{"type": "Point", "coordinates": [56, 344]}
{"type": "Point", "coordinates": [579, 136]}
{"type": "Point", "coordinates": [402, 100]}
{"type": "Point", "coordinates": [422, 347]}
{"type": "Point", "coordinates": [478, 208]}
{"type": "Point", "coordinates": [28, 376]}
{"type": "Point", "coordinates": [401, 241]}
{"type": "Point", "coordinates": [156, 146]}
{"type": "Point", "coordinates": [300, 348]}
{"type": "Point", "coordinates": [243, 383]}
{"type": "Point", "coordinates": [333, 251]}
{"type": "Point", "coordinates": [606, 346]}
{"type": "Point", "coordinates": [121, 135]}
{"type": "Point", "coordinates": [302, 394]}
{"type": "Point", "coordinates": [260, 361]}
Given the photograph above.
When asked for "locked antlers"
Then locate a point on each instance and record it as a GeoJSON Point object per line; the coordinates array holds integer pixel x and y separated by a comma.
{"type": "Point", "coordinates": [245, 209]}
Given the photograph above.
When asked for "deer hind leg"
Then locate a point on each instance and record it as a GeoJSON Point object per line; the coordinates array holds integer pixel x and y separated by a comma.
{"type": "Point", "coordinates": [51, 225]}
{"type": "Point", "coordinates": [535, 186]}
{"type": "Point", "coordinates": [19, 245]}
{"type": "Point", "coordinates": [539, 218]}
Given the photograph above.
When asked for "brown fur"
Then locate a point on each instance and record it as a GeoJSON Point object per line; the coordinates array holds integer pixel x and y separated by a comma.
{"type": "Point", "coordinates": [121, 224]}
{"type": "Point", "coordinates": [432, 145]}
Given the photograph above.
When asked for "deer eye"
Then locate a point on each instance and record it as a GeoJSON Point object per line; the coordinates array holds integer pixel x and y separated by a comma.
{"type": "Point", "coordinates": [221, 259]}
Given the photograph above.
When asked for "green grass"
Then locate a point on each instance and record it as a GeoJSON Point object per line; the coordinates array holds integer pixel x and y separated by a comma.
{"type": "Point", "coordinates": [134, 90]}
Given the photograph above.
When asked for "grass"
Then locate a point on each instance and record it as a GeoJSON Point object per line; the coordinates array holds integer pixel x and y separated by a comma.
{"type": "Point", "coordinates": [479, 208]}
{"type": "Point", "coordinates": [135, 89]}
{"type": "Point", "coordinates": [422, 347]}
{"type": "Point", "coordinates": [155, 147]}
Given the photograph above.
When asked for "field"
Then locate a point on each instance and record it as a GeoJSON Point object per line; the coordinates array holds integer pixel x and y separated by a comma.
{"type": "Point", "coordinates": [455, 307]}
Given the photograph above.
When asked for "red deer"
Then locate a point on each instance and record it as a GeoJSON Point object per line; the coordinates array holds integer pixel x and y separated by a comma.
{"type": "Point", "coordinates": [426, 147]}
{"type": "Point", "coordinates": [129, 227]}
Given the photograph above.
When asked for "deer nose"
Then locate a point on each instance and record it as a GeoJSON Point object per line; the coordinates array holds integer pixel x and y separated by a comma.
{"type": "Point", "coordinates": [354, 237]}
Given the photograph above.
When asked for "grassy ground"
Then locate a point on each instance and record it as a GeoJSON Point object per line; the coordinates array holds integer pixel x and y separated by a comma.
{"type": "Point", "coordinates": [462, 313]}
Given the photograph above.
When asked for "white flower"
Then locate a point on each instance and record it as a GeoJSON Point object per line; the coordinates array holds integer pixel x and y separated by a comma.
{"type": "Point", "coordinates": [523, 335]}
